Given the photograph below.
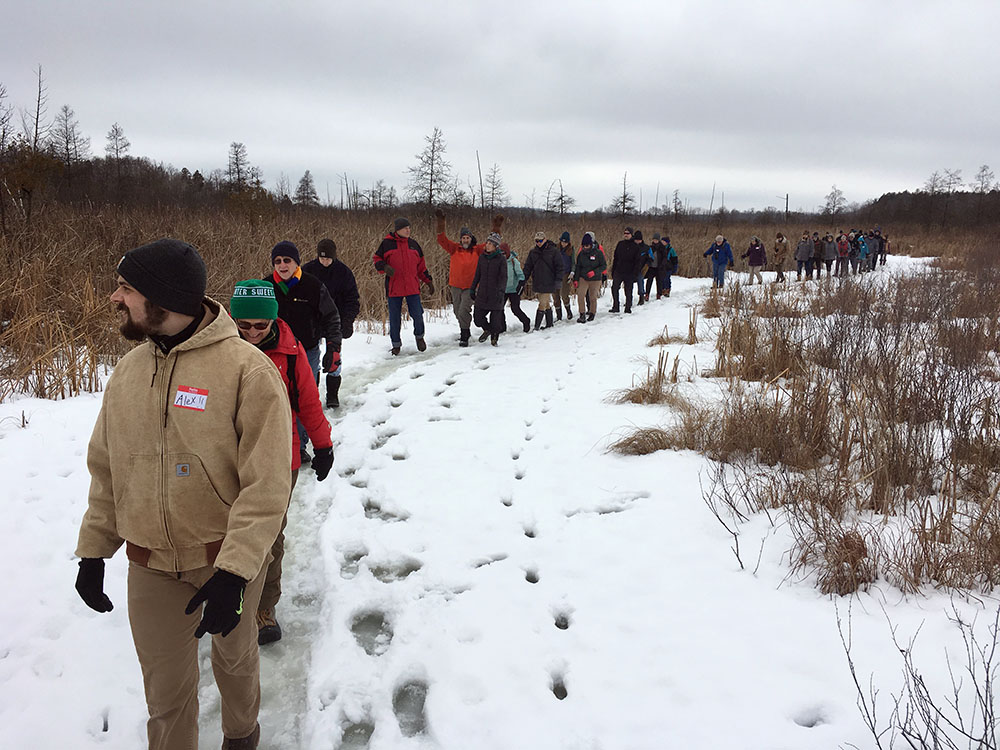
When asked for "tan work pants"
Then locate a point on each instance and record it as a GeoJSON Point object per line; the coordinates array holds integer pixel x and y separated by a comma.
{"type": "Point", "coordinates": [588, 289]}
{"type": "Point", "coordinates": [168, 655]}
{"type": "Point", "coordinates": [544, 300]}
{"type": "Point", "coordinates": [272, 578]}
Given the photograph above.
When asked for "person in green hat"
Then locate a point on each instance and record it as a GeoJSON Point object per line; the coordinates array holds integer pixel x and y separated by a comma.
{"type": "Point", "coordinates": [255, 310]}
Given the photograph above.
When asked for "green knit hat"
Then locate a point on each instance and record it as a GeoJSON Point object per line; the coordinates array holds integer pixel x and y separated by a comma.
{"type": "Point", "coordinates": [253, 300]}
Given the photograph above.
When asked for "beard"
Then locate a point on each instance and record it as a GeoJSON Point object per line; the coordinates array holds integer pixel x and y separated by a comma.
{"type": "Point", "coordinates": [132, 330]}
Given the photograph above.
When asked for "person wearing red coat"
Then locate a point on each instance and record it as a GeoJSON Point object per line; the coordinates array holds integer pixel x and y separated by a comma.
{"type": "Point", "coordinates": [401, 260]}
{"type": "Point", "coordinates": [255, 309]}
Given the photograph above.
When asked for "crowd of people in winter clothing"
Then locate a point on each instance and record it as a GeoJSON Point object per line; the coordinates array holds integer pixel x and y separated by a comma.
{"type": "Point", "coordinates": [854, 252]}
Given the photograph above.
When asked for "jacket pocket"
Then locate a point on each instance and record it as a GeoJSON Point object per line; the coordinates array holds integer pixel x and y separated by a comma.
{"type": "Point", "coordinates": [137, 503]}
{"type": "Point", "coordinates": [196, 513]}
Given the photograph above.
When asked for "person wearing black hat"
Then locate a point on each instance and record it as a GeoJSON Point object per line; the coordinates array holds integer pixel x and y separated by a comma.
{"type": "Point", "coordinates": [189, 464]}
{"type": "Point", "coordinates": [343, 288]}
{"type": "Point", "coordinates": [625, 266]}
{"type": "Point", "coordinates": [401, 260]}
{"type": "Point", "coordinates": [565, 291]}
{"type": "Point", "coordinates": [306, 305]}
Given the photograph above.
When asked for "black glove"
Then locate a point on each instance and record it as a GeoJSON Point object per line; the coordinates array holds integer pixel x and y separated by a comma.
{"type": "Point", "coordinates": [223, 597]}
{"type": "Point", "coordinates": [90, 584]}
{"type": "Point", "coordinates": [472, 295]}
{"type": "Point", "coordinates": [322, 462]}
{"type": "Point", "coordinates": [520, 286]}
{"type": "Point", "coordinates": [331, 359]}
{"type": "Point", "coordinates": [346, 329]}
{"type": "Point", "coordinates": [430, 288]}
{"type": "Point", "coordinates": [389, 270]}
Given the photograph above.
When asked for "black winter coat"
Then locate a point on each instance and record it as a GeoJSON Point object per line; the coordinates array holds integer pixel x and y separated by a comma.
{"type": "Point", "coordinates": [628, 260]}
{"type": "Point", "coordinates": [490, 281]}
{"type": "Point", "coordinates": [343, 288]}
{"type": "Point", "coordinates": [545, 268]}
{"type": "Point", "coordinates": [309, 311]}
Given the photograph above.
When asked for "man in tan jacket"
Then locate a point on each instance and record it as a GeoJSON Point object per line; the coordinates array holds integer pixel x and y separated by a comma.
{"type": "Point", "coordinates": [189, 469]}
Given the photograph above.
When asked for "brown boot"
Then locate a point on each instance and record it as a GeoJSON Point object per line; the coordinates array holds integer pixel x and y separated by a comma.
{"type": "Point", "coordinates": [249, 742]}
{"type": "Point", "coordinates": [268, 629]}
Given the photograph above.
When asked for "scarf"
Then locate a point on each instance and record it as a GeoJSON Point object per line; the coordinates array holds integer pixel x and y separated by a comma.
{"type": "Point", "coordinates": [284, 286]}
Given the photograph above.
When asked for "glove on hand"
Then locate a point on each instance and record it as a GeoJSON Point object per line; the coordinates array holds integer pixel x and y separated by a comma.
{"type": "Point", "coordinates": [440, 220]}
{"type": "Point", "coordinates": [591, 274]}
{"type": "Point", "coordinates": [520, 286]}
{"type": "Point", "coordinates": [331, 359]}
{"type": "Point", "coordinates": [223, 598]}
{"type": "Point", "coordinates": [430, 287]}
{"type": "Point", "coordinates": [576, 284]}
{"type": "Point", "coordinates": [472, 295]}
{"type": "Point", "coordinates": [322, 462]}
{"type": "Point", "coordinates": [389, 271]}
{"type": "Point", "coordinates": [346, 329]}
{"type": "Point", "coordinates": [496, 223]}
{"type": "Point", "coordinates": [90, 584]}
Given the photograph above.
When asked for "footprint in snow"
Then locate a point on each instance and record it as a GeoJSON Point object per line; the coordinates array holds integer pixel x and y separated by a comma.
{"type": "Point", "coordinates": [810, 717]}
{"type": "Point", "coordinates": [352, 561]}
{"type": "Point", "coordinates": [395, 571]}
{"type": "Point", "coordinates": [519, 474]}
{"type": "Point", "coordinates": [558, 686]}
{"type": "Point", "coordinates": [374, 509]}
{"type": "Point", "coordinates": [416, 374]}
{"type": "Point", "coordinates": [531, 575]}
{"type": "Point", "coordinates": [562, 620]}
{"type": "Point", "coordinates": [408, 701]}
{"type": "Point", "coordinates": [400, 455]}
{"type": "Point", "coordinates": [482, 563]}
{"type": "Point", "coordinates": [507, 501]}
{"type": "Point", "coordinates": [356, 735]}
{"type": "Point", "coordinates": [529, 531]}
{"type": "Point", "coordinates": [372, 631]}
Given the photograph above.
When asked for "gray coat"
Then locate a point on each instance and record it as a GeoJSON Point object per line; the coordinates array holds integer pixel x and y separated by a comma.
{"type": "Point", "coordinates": [804, 250]}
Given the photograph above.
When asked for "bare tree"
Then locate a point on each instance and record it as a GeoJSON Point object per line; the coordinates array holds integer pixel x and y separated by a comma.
{"type": "Point", "coordinates": [496, 193]}
{"type": "Point", "coordinates": [950, 182]}
{"type": "Point", "coordinates": [67, 143]}
{"type": "Point", "coordinates": [430, 176]}
{"type": "Point", "coordinates": [283, 187]}
{"type": "Point", "coordinates": [117, 147]}
{"type": "Point", "coordinates": [35, 122]}
{"type": "Point", "coordinates": [677, 205]}
{"type": "Point", "coordinates": [934, 184]}
{"type": "Point", "coordinates": [6, 136]}
{"type": "Point", "coordinates": [835, 202]}
{"type": "Point", "coordinates": [983, 183]}
{"type": "Point", "coordinates": [305, 192]}
{"type": "Point", "coordinates": [624, 203]}
{"type": "Point", "coordinates": [239, 168]}
{"type": "Point", "coordinates": [557, 200]}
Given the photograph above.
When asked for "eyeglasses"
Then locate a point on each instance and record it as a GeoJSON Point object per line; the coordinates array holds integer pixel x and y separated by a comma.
{"type": "Point", "coordinates": [285, 261]}
{"type": "Point", "coordinates": [539, 242]}
{"type": "Point", "coordinates": [246, 325]}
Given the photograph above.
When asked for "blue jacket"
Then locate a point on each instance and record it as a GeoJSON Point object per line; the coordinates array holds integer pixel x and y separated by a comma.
{"type": "Point", "coordinates": [722, 255]}
{"type": "Point", "coordinates": [514, 272]}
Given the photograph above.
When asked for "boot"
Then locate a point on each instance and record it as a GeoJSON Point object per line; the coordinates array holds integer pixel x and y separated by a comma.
{"type": "Point", "coordinates": [268, 629]}
{"type": "Point", "coordinates": [538, 319]}
{"type": "Point", "coordinates": [464, 340]}
{"type": "Point", "coordinates": [527, 325]}
{"type": "Point", "coordinates": [569, 314]}
{"type": "Point", "coordinates": [421, 344]}
{"type": "Point", "coordinates": [559, 313]}
{"type": "Point", "coordinates": [483, 336]}
{"type": "Point", "coordinates": [590, 316]}
{"type": "Point", "coordinates": [667, 293]}
{"type": "Point", "coordinates": [332, 390]}
{"type": "Point", "coordinates": [582, 318]}
{"type": "Point", "coordinates": [395, 350]}
{"type": "Point", "coordinates": [548, 319]}
{"type": "Point", "coordinates": [250, 742]}
{"type": "Point", "coordinates": [615, 308]}
{"type": "Point", "coordinates": [494, 338]}
{"type": "Point", "coordinates": [641, 299]}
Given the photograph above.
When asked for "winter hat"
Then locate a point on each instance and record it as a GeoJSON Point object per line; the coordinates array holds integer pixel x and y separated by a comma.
{"type": "Point", "coordinates": [719, 238]}
{"type": "Point", "coordinates": [495, 239]}
{"type": "Point", "coordinates": [637, 235]}
{"type": "Point", "coordinates": [539, 236]}
{"type": "Point", "coordinates": [464, 231]}
{"type": "Point", "coordinates": [628, 230]}
{"type": "Point", "coordinates": [656, 236]}
{"type": "Point", "coordinates": [169, 273]}
{"type": "Point", "coordinates": [564, 237]}
{"type": "Point", "coordinates": [326, 249]}
{"type": "Point", "coordinates": [285, 249]}
{"type": "Point", "coordinates": [400, 223]}
{"type": "Point", "coordinates": [505, 249]}
{"type": "Point", "coordinates": [253, 300]}
{"type": "Point", "coordinates": [666, 239]}
{"type": "Point", "coordinates": [587, 240]}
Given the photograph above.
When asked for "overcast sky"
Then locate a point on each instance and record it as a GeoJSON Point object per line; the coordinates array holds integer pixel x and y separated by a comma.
{"type": "Point", "coordinates": [761, 99]}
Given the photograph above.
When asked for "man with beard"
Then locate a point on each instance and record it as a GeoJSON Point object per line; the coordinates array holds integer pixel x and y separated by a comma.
{"type": "Point", "coordinates": [189, 470]}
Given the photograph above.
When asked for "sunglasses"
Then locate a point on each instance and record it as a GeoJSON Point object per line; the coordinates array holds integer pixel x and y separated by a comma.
{"type": "Point", "coordinates": [286, 261]}
{"type": "Point", "coordinates": [246, 325]}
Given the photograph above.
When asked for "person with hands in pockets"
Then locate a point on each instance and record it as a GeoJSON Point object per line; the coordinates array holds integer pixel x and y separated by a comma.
{"type": "Point", "coordinates": [189, 463]}
{"type": "Point", "coordinates": [401, 260]}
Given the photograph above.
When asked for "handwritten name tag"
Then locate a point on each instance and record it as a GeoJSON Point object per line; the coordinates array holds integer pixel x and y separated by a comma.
{"type": "Point", "coordinates": [189, 397]}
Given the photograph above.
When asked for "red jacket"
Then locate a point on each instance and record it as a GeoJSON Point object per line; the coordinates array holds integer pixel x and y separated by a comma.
{"type": "Point", "coordinates": [310, 410]}
{"type": "Point", "coordinates": [407, 260]}
{"type": "Point", "coordinates": [462, 270]}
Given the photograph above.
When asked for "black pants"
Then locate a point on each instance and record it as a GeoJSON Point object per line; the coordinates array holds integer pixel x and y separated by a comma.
{"type": "Point", "coordinates": [489, 320]}
{"type": "Point", "coordinates": [515, 305]}
{"type": "Point", "coordinates": [651, 274]}
{"type": "Point", "coordinates": [616, 284]}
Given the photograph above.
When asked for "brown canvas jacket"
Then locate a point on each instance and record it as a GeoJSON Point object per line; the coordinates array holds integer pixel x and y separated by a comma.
{"type": "Point", "coordinates": [190, 455]}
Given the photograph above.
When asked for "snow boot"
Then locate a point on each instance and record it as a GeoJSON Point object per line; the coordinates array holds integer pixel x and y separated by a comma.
{"type": "Point", "coordinates": [483, 336]}
{"type": "Point", "coordinates": [304, 457]}
{"type": "Point", "coordinates": [332, 390]}
{"type": "Point", "coordinates": [268, 629]}
{"type": "Point", "coordinates": [250, 742]}
{"type": "Point", "coordinates": [582, 318]}
{"type": "Point", "coordinates": [590, 315]}
{"type": "Point", "coordinates": [421, 344]}
{"type": "Point", "coordinates": [526, 324]}
{"type": "Point", "coordinates": [538, 319]}
{"type": "Point", "coordinates": [628, 310]}
{"type": "Point", "coordinates": [494, 338]}
{"type": "Point", "coordinates": [642, 300]}
{"type": "Point", "coordinates": [464, 340]}
{"type": "Point", "coordinates": [395, 351]}
{"type": "Point", "coordinates": [548, 318]}
{"type": "Point", "coordinates": [559, 313]}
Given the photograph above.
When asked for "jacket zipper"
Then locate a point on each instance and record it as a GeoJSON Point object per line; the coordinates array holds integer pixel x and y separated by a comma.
{"type": "Point", "coordinates": [163, 464]}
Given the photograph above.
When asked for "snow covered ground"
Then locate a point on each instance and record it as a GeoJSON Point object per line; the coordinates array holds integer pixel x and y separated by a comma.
{"type": "Point", "coordinates": [477, 572]}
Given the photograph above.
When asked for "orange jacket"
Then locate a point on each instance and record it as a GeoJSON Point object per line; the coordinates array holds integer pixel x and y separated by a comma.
{"type": "Point", "coordinates": [462, 269]}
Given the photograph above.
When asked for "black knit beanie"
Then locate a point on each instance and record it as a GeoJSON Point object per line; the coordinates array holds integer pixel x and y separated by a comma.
{"type": "Point", "coordinates": [326, 248]}
{"type": "Point", "coordinates": [637, 235]}
{"type": "Point", "coordinates": [564, 237]}
{"type": "Point", "coordinates": [169, 273]}
{"type": "Point", "coordinates": [400, 223]}
{"type": "Point", "coordinates": [285, 249]}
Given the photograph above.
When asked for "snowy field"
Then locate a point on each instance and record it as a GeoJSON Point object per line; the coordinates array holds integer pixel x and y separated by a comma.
{"type": "Point", "coordinates": [478, 572]}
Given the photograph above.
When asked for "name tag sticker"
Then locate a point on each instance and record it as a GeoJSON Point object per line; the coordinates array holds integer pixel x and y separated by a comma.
{"type": "Point", "coordinates": [192, 398]}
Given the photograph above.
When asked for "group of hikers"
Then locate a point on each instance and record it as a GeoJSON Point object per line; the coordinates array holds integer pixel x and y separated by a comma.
{"type": "Point", "coordinates": [857, 250]}
{"type": "Point", "coordinates": [483, 278]}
